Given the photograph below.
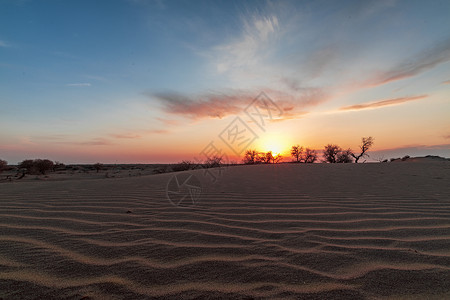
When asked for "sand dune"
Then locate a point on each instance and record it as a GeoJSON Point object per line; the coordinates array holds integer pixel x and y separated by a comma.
{"type": "Point", "coordinates": [270, 231]}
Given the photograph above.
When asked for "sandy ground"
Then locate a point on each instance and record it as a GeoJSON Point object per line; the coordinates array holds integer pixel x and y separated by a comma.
{"type": "Point", "coordinates": [319, 231]}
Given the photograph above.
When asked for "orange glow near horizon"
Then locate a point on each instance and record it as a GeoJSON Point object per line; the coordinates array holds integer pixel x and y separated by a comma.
{"type": "Point", "coordinates": [275, 143]}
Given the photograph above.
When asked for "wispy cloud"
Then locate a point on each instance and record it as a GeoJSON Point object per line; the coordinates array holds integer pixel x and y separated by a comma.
{"type": "Point", "coordinates": [445, 82]}
{"type": "Point", "coordinates": [424, 61]}
{"type": "Point", "coordinates": [51, 137]}
{"type": "Point", "coordinates": [204, 106]}
{"type": "Point", "coordinates": [232, 103]}
{"type": "Point", "coordinates": [157, 131]}
{"type": "Point", "coordinates": [248, 49]}
{"type": "Point", "coordinates": [79, 84]}
{"type": "Point", "coordinates": [4, 44]}
{"type": "Point", "coordinates": [125, 136]}
{"type": "Point", "coordinates": [95, 142]}
{"type": "Point", "coordinates": [382, 103]}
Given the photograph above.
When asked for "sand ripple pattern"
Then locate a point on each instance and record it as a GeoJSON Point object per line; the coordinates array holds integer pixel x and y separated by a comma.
{"type": "Point", "coordinates": [260, 232]}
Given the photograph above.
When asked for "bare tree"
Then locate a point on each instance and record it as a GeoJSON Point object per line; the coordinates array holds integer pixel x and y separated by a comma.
{"type": "Point", "coordinates": [3, 164]}
{"type": "Point", "coordinates": [330, 153]}
{"type": "Point", "coordinates": [344, 156]}
{"type": "Point", "coordinates": [251, 157]}
{"type": "Point", "coordinates": [366, 143]}
{"type": "Point", "coordinates": [296, 153]}
{"type": "Point", "coordinates": [310, 156]}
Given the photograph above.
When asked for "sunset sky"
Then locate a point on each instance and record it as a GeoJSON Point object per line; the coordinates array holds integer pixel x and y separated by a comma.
{"type": "Point", "coordinates": [158, 81]}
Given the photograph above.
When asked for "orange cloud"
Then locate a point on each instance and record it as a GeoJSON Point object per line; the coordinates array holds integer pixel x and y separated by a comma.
{"type": "Point", "coordinates": [125, 136]}
{"type": "Point", "coordinates": [413, 66]}
{"type": "Point", "coordinates": [222, 105]}
{"type": "Point", "coordinates": [378, 104]}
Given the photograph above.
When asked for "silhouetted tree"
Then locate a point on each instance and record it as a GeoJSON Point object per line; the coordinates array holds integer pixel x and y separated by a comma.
{"type": "Point", "coordinates": [251, 157]}
{"type": "Point", "coordinates": [344, 156]}
{"type": "Point", "coordinates": [330, 153]}
{"type": "Point", "coordinates": [98, 167]}
{"type": "Point", "coordinates": [36, 166]}
{"type": "Point", "coordinates": [3, 164]}
{"type": "Point", "coordinates": [43, 165]}
{"type": "Point", "coordinates": [296, 153]}
{"type": "Point", "coordinates": [269, 157]}
{"type": "Point", "coordinates": [310, 156]}
{"type": "Point", "coordinates": [27, 164]}
{"type": "Point", "coordinates": [277, 158]}
{"type": "Point", "coordinates": [366, 143]}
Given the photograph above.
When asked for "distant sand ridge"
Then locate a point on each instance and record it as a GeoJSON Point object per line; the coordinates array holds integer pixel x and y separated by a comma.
{"type": "Point", "coordinates": [290, 231]}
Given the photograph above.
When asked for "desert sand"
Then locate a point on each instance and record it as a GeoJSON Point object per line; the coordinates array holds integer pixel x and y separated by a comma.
{"type": "Point", "coordinates": [294, 231]}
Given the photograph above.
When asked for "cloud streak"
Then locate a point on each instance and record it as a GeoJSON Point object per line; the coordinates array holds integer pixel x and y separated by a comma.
{"type": "Point", "coordinates": [221, 105]}
{"type": "Point", "coordinates": [415, 65]}
{"type": "Point", "coordinates": [94, 142]}
{"type": "Point", "coordinates": [4, 44]}
{"type": "Point", "coordinates": [125, 136]}
{"type": "Point", "coordinates": [382, 103]}
{"type": "Point", "coordinates": [78, 84]}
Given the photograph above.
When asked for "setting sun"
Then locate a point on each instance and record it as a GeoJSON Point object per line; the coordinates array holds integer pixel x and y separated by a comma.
{"type": "Point", "coordinates": [274, 143]}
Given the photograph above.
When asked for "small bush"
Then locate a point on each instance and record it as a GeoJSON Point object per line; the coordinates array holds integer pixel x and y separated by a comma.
{"type": "Point", "coordinates": [98, 166]}
{"type": "Point", "coordinates": [37, 166]}
{"type": "Point", "coordinates": [183, 166]}
{"type": "Point", "coordinates": [213, 162]}
{"type": "Point", "coordinates": [3, 165]}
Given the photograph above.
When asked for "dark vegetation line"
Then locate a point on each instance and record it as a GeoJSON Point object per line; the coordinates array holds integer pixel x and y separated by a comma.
{"type": "Point", "coordinates": [330, 154]}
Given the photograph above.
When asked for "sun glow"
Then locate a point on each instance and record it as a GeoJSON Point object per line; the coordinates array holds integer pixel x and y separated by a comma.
{"type": "Point", "coordinates": [276, 144]}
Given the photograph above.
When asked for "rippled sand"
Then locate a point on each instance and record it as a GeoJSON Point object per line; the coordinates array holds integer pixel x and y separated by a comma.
{"type": "Point", "coordinates": [271, 231]}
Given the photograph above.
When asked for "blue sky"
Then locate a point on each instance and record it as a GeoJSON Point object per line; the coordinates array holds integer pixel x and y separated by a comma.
{"type": "Point", "coordinates": [139, 81]}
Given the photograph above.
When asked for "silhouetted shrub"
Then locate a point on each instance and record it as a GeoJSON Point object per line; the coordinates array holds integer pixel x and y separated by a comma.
{"type": "Point", "coordinates": [98, 167]}
{"type": "Point", "coordinates": [160, 170]}
{"type": "Point", "coordinates": [59, 166]}
{"type": "Point", "coordinates": [405, 157]}
{"type": "Point", "coordinates": [37, 166]}
{"type": "Point", "coordinates": [3, 165]}
{"type": "Point", "coordinates": [344, 156]}
{"type": "Point", "coordinates": [43, 165]}
{"type": "Point", "coordinates": [213, 162]}
{"type": "Point", "coordinates": [183, 166]}
{"type": "Point", "coordinates": [26, 164]}
{"type": "Point", "coordinates": [251, 157]}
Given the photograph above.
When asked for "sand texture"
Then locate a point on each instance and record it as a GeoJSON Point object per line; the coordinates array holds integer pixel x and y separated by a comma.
{"type": "Point", "coordinates": [347, 231]}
